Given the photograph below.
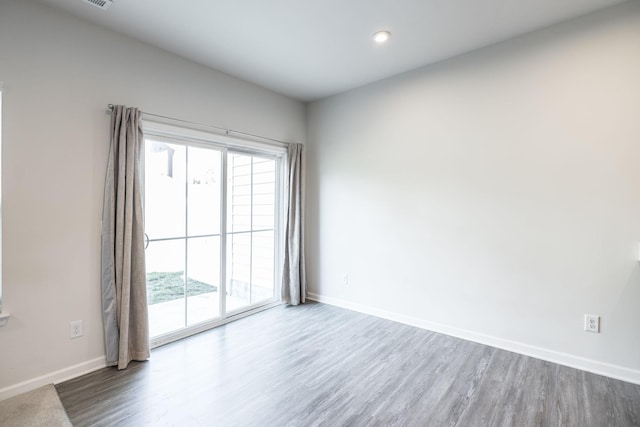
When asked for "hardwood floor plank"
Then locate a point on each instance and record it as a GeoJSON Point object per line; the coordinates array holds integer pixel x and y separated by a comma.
{"type": "Point", "coordinates": [317, 365]}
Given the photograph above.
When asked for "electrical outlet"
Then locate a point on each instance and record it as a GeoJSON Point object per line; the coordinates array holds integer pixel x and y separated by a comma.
{"type": "Point", "coordinates": [345, 279]}
{"type": "Point", "coordinates": [591, 323]}
{"type": "Point", "coordinates": [75, 329]}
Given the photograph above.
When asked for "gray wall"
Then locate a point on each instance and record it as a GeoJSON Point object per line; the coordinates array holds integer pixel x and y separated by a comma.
{"type": "Point", "coordinates": [59, 74]}
{"type": "Point", "coordinates": [494, 196]}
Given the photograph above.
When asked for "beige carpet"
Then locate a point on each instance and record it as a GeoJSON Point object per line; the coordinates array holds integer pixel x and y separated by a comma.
{"type": "Point", "coordinates": [40, 407]}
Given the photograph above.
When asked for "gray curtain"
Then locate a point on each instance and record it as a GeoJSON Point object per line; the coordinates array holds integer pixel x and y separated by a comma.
{"type": "Point", "coordinates": [124, 292]}
{"type": "Point", "coordinates": [294, 282]}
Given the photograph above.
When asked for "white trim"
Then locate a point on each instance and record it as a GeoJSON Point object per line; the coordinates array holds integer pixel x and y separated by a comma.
{"type": "Point", "coordinates": [54, 377]}
{"type": "Point", "coordinates": [159, 128]}
{"type": "Point", "coordinates": [565, 359]}
{"type": "Point", "coordinates": [222, 288]}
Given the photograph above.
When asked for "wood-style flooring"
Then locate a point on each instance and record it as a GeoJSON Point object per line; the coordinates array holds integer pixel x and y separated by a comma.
{"type": "Point", "coordinates": [318, 365]}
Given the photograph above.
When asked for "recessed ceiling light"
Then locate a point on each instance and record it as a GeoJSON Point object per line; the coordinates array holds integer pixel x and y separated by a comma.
{"type": "Point", "coordinates": [381, 36]}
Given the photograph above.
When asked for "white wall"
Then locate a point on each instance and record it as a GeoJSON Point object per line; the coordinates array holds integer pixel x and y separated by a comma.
{"type": "Point", "coordinates": [59, 75]}
{"type": "Point", "coordinates": [495, 196]}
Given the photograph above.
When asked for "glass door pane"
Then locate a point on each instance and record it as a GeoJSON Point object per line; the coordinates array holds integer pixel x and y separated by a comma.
{"type": "Point", "coordinates": [238, 271]}
{"type": "Point", "coordinates": [262, 266]}
{"type": "Point", "coordinates": [203, 285]}
{"type": "Point", "coordinates": [165, 286]}
{"type": "Point", "coordinates": [182, 225]}
{"type": "Point", "coordinates": [203, 234]}
{"type": "Point", "coordinates": [251, 202]}
{"type": "Point", "coordinates": [165, 192]}
{"type": "Point", "coordinates": [263, 226]}
{"type": "Point", "coordinates": [204, 187]}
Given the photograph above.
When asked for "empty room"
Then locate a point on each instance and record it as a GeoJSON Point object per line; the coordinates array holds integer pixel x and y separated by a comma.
{"type": "Point", "coordinates": [332, 213]}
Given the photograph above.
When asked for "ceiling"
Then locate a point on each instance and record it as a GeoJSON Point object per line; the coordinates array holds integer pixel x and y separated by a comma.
{"type": "Point", "coordinates": [312, 49]}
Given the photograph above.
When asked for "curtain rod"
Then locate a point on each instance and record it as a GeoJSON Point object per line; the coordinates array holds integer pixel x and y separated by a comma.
{"type": "Point", "coordinates": [111, 106]}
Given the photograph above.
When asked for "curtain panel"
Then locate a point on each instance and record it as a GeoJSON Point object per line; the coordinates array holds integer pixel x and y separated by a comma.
{"type": "Point", "coordinates": [294, 283]}
{"type": "Point", "coordinates": [124, 293]}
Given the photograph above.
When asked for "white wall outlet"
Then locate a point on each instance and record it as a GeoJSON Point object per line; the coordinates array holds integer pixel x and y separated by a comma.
{"type": "Point", "coordinates": [345, 279]}
{"type": "Point", "coordinates": [75, 330]}
{"type": "Point", "coordinates": [591, 323]}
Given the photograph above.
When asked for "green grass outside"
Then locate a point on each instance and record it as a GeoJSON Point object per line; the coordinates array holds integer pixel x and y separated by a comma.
{"type": "Point", "coordinates": [168, 286]}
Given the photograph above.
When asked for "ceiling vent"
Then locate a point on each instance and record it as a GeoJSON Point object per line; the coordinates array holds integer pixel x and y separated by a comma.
{"type": "Point", "coordinates": [102, 4]}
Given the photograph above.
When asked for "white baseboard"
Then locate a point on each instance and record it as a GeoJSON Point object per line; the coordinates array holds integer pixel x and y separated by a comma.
{"type": "Point", "coordinates": [589, 365]}
{"type": "Point", "coordinates": [53, 377]}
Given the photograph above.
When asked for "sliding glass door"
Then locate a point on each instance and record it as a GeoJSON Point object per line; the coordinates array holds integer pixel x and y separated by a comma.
{"type": "Point", "coordinates": [211, 224]}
